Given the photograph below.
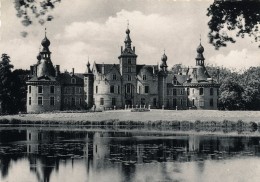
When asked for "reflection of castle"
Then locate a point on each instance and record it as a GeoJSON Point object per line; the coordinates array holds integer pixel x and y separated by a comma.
{"type": "Point", "coordinates": [119, 85]}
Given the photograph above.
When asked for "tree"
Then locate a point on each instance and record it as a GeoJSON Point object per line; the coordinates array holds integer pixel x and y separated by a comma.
{"type": "Point", "coordinates": [240, 17]}
{"type": "Point", "coordinates": [6, 83]}
{"type": "Point", "coordinates": [231, 96]}
{"type": "Point", "coordinates": [32, 10]}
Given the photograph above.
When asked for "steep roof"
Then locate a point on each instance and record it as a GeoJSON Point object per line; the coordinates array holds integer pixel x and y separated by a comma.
{"type": "Point", "coordinates": [107, 67]}
{"type": "Point", "coordinates": [65, 78]}
{"type": "Point", "coordinates": [149, 68]}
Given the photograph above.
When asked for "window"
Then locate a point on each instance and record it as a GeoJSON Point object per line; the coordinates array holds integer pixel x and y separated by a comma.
{"type": "Point", "coordinates": [193, 90]}
{"type": "Point", "coordinates": [30, 101]}
{"type": "Point", "coordinates": [201, 91]}
{"type": "Point", "coordinates": [193, 102]}
{"type": "Point", "coordinates": [114, 77]}
{"type": "Point", "coordinates": [201, 103]}
{"type": "Point", "coordinates": [118, 89]}
{"type": "Point", "coordinates": [112, 89]}
{"type": "Point", "coordinates": [175, 82]}
{"type": "Point", "coordinates": [129, 61]}
{"type": "Point", "coordinates": [52, 89]}
{"type": "Point", "coordinates": [101, 101]}
{"type": "Point", "coordinates": [139, 89]}
{"type": "Point", "coordinates": [80, 101]}
{"type": "Point", "coordinates": [168, 91]}
{"type": "Point", "coordinates": [129, 69]}
{"type": "Point", "coordinates": [30, 89]}
{"type": "Point", "coordinates": [66, 101]}
{"type": "Point", "coordinates": [188, 91]}
{"type": "Point", "coordinates": [96, 89]}
{"type": "Point", "coordinates": [129, 77]}
{"type": "Point", "coordinates": [154, 102]}
{"type": "Point", "coordinates": [211, 103]}
{"type": "Point", "coordinates": [181, 102]}
{"type": "Point", "coordinates": [73, 80]}
{"type": "Point", "coordinates": [211, 91]}
{"type": "Point", "coordinates": [142, 101]}
{"type": "Point", "coordinates": [73, 101]}
{"type": "Point", "coordinates": [144, 77]}
{"type": "Point", "coordinates": [39, 100]}
{"type": "Point", "coordinates": [174, 102]}
{"type": "Point", "coordinates": [52, 101]}
{"type": "Point", "coordinates": [146, 89]}
{"type": "Point", "coordinates": [168, 103]}
{"type": "Point", "coordinates": [40, 89]}
{"type": "Point", "coordinates": [80, 90]}
{"type": "Point", "coordinates": [174, 92]}
{"type": "Point", "coordinates": [181, 91]}
{"type": "Point", "coordinates": [113, 101]}
{"type": "Point", "coordinates": [128, 88]}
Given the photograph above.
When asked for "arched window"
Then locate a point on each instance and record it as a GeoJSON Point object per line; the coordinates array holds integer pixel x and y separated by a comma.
{"type": "Point", "coordinates": [73, 80]}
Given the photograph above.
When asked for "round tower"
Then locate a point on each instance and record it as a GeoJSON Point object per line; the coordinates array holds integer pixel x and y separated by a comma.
{"type": "Point", "coordinates": [88, 86]}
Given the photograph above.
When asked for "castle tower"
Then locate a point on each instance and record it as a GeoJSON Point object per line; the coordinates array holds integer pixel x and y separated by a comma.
{"type": "Point", "coordinates": [202, 90]}
{"type": "Point", "coordinates": [127, 62]}
{"type": "Point", "coordinates": [44, 90]}
{"type": "Point", "coordinates": [162, 85]}
{"type": "Point", "coordinates": [88, 86]}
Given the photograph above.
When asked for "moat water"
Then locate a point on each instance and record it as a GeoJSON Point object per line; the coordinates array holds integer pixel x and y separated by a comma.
{"type": "Point", "coordinates": [62, 155]}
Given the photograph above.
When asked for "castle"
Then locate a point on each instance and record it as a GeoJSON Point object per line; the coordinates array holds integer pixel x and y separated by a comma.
{"type": "Point", "coordinates": [123, 85]}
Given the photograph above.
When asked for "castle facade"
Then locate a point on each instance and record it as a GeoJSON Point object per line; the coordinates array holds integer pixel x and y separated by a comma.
{"type": "Point", "coordinates": [123, 85]}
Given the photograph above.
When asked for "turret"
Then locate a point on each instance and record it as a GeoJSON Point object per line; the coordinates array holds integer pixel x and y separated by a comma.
{"type": "Point", "coordinates": [89, 86]}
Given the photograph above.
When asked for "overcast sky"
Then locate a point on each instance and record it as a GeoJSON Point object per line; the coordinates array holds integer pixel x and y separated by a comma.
{"type": "Point", "coordinates": [96, 29]}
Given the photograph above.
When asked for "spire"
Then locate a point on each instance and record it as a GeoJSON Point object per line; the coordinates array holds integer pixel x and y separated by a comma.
{"type": "Point", "coordinates": [200, 58]}
{"type": "Point", "coordinates": [88, 70]}
{"type": "Point", "coordinates": [45, 31]}
{"type": "Point", "coordinates": [163, 64]}
{"type": "Point", "coordinates": [128, 39]}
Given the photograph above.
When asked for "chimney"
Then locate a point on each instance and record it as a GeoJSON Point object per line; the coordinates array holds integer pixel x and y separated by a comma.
{"type": "Point", "coordinates": [57, 70]}
{"type": "Point", "coordinates": [218, 75]}
{"type": "Point", "coordinates": [31, 70]}
{"type": "Point", "coordinates": [72, 71]}
{"type": "Point", "coordinates": [121, 49]}
{"type": "Point", "coordinates": [103, 69]}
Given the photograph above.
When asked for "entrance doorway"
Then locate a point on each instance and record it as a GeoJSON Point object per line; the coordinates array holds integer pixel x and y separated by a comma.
{"type": "Point", "coordinates": [128, 102]}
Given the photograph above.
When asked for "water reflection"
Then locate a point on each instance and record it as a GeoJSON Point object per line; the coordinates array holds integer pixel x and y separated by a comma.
{"type": "Point", "coordinates": [37, 155]}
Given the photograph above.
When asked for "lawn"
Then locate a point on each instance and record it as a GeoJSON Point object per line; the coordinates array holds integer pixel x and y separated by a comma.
{"type": "Point", "coordinates": [153, 115]}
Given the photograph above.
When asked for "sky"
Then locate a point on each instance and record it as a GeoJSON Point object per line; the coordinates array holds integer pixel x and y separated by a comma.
{"type": "Point", "coordinates": [95, 30]}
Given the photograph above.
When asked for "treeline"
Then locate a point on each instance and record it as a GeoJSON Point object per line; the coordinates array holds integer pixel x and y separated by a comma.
{"type": "Point", "coordinates": [239, 90]}
{"type": "Point", "coordinates": [12, 87]}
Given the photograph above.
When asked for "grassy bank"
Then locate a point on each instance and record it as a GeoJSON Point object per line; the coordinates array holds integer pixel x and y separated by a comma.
{"type": "Point", "coordinates": [154, 115]}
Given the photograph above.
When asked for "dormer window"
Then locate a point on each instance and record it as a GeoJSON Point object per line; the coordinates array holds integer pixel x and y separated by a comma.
{"type": "Point", "coordinates": [114, 77]}
{"type": "Point", "coordinates": [144, 77]}
{"type": "Point", "coordinates": [73, 80]}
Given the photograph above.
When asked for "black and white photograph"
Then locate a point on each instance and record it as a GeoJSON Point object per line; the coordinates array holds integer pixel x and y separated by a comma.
{"type": "Point", "coordinates": [129, 91]}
